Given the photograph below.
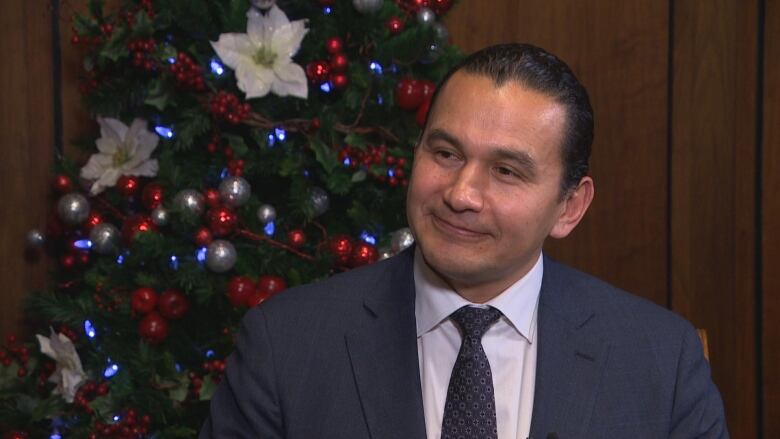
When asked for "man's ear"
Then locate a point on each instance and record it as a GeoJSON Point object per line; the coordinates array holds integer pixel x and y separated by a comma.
{"type": "Point", "coordinates": [574, 207]}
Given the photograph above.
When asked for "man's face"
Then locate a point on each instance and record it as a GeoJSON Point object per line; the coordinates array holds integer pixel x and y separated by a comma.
{"type": "Point", "coordinates": [485, 187]}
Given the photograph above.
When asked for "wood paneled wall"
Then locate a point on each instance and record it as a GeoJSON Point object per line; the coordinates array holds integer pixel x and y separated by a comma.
{"type": "Point", "coordinates": [26, 148]}
{"type": "Point", "coordinates": [686, 160]}
{"type": "Point", "coordinates": [770, 224]}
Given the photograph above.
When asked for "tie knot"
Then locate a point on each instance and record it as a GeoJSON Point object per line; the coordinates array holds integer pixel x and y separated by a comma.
{"type": "Point", "coordinates": [475, 321]}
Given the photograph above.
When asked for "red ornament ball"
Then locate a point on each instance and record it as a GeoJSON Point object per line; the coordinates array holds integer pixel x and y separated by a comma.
{"type": "Point", "coordinates": [16, 434]}
{"type": "Point", "coordinates": [143, 300]}
{"type": "Point", "coordinates": [339, 62]}
{"type": "Point", "coordinates": [363, 253]}
{"type": "Point", "coordinates": [339, 81]}
{"type": "Point", "coordinates": [62, 184]}
{"type": "Point", "coordinates": [212, 197]}
{"type": "Point", "coordinates": [334, 45]}
{"type": "Point", "coordinates": [427, 88]}
{"type": "Point", "coordinates": [203, 237]}
{"type": "Point", "coordinates": [267, 286]}
{"type": "Point", "coordinates": [271, 284]}
{"type": "Point", "coordinates": [128, 185]}
{"type": "Point", "coordinates": [239, 289]}
{"type": "Point", "coordinates": [221, 220]}
{"type": "Point", "coordinates": [134, 225]}
{"type": "Point", "coordinates": [153, 328]}
{"type": "Point", "coordinates": [422, 113]}
{"type": "Point", "coordinates": [173, 304]}
{"type": "Point", "coordinates": [317, 72]}
{"type": "Point", "coordinates": [395, 25]}
{"type": "Point", "coordinates": [408, 94]}
{"type": "Point", "coordinates": [341, 247]}
{"type": "Point", "coordinates": [152, 195]}
{"type": "Point", "coordinates": [296, 238]}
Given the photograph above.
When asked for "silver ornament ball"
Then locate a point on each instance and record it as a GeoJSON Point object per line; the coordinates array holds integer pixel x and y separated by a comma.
{"type": "Point", "coordinates": [266, 213]}
{"type": "Point", "coordinates": [189, 201]}
{"type": "Point", "coordinates": [160, 216]}
{"type": "Point", "coordinates": [320, 201]}
{"type": "Point", "coordinates": [221, 256]}
{"type": "Point", "coordinates": [105, 238]}
{"type": "Point", "coordinates": [432, 53]}
{"type": "Point", "coordinates": [35, 238]}
{"type": "Point", "coordinates": [235, 191]}
{"type": "Point", "coordinates": [401, 240]}
{"type": "Point", "coordinates": [73, 208]}
{"type": "Point", "coordinates": [367, 6]}
{"type": "Point", "coordinates": [426, 16]}
{"type": "Point", "coordinates": [441, 34]}
{"type": "Point", "coordinates": [384, 253]}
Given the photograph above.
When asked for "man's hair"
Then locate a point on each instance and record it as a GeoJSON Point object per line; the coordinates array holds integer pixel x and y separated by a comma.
{"type": "Point", "coordinates": [541, 71]}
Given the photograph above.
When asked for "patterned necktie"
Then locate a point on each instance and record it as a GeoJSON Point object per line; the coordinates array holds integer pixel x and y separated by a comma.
{"type": "Point", "coordinates": [469, 411]}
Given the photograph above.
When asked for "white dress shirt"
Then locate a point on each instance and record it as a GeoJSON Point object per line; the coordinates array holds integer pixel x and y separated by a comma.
{"type": "Point", "coordinates": [509, 345]}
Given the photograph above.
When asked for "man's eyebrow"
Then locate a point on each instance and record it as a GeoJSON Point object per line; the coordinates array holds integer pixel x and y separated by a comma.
{"type": "Point", "coordinates": [439, 134]}
{"type": "Point", "coordinates": [522, 158]}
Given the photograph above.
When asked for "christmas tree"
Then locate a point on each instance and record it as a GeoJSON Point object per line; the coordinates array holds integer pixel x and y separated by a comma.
{"type": "Point", "coordinates": [243, 147]}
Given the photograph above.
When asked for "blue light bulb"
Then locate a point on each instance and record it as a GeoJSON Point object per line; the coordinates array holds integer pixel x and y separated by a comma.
{"type": "Point", "coordinates": [216, 67]}
{"type": "Point", "coordinates": [367, 237]}
{"type": "Point", "coordinates": [326, 87]}
{"type": "Point", "coordinates": [83, 244]}
{"type": "Point", "coordinates": [164, 131]}
{"type": "Point", "coordinates": [376, 68]}
{"type": "Point", "coordinates": [89, 329]}
{"type": "Point", "coordinates": [174, 264]}
{"type": "Point", "coordinates": [201, 255]}
{"type": "Point", "coordinates": [280, 133]}
{"type": "Point", "coordinates": [269, 228]}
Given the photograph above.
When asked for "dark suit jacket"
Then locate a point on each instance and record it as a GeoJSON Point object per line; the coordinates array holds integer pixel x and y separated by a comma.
{"type": "Point", "coordinates": [338, 359]}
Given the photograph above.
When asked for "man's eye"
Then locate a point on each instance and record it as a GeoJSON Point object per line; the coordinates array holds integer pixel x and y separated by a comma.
{"type": "Point", "coordinates": [506, 172]}
{"type": "Point", "coordinates": [445, 154]}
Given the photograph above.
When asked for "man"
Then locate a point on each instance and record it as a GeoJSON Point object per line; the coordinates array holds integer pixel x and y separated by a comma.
{"type": "Point", "coordinates": [472, 333]}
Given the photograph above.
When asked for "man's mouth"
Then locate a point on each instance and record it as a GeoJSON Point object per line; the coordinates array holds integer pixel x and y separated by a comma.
{"type": "Point", "coordinates": [459, 230]}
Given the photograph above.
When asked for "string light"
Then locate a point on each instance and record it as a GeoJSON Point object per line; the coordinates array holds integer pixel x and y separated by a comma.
{"type": "Point", "coordinates": [200, 256]}
{"type": "Point", "coordinates": [376, 68]}
{"type": "Point", "coordinates": [379, 99]}
{"type": "Point", "coordinates": [210, 353]}
{"type": "Point", "coordinates": [174, 264]}
{"type": "Point", "coordinates": [216, 67]}
{"type": "Point", "coordinates": [390, 173]}
{"type": "Point", "coordinates": [325, 86]}
{"type": "Point", "coordinates": [116, 418]}
{"type": "Point", "coordinates": [89, 329]}
{"type": "Point", "coordinates": [83, 244]}
{"type": "Point", "coordinates": [164, 131]}
{"type": "Point", "coordinates": [367, 237]}
{"type": "Point", "coordinates": [280, 134]}
{"type": "Point", "coordinates": [110, 371]}
{"type": "Point", "coordinates": [327, 10]}
{"type": "Point", "coordinates": [347, 161]}
{"type": "Point", "coordinates": [269, 228]}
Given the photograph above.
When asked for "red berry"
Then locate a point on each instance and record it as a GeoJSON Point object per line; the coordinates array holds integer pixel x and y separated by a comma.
{"type": "Point", "coordinates": [339, 62]}
{"type": "Point", "coordinates": [152, 195]}
{"type": "Point", "coordinates": [395, 25]}
{"type": "Point", "coordinates": [173, 304]}
{"type": "Point", "coordinates": [203, 237]}
{"type": "Point", "coordinates": [143, 300]}
{"type": "Point", "coordinates": [62, 184]}
{"type": "Point", "coordinates": [334, 45]}
{"type": "Point", "coordinates": [153, 328]}
{"type": "Point", "coordinates": [339, 81]}
{"type": "Point", "coordinates": [317, 72]}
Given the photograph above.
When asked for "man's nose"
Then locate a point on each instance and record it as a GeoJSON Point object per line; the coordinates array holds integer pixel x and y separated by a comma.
{"type": "Point", "coordinates": [466, 191]}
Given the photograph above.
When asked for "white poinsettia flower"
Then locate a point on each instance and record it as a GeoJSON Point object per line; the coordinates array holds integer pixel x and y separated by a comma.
{"type": "Point", "coordinates": [262, 56]}
{"type": "Point", "coordinates": [123, 151]}
{"type": "Point", "coordinates": [69, 374]}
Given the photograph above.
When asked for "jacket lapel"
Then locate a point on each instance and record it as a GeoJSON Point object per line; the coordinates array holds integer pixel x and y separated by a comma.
{"type": "Point", "coordinates": [570, 357]}
{"type": "Point", "coordinates": [383, 353]}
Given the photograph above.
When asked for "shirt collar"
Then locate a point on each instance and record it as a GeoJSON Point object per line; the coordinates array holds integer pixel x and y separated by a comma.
{"type": "Point", "coordinates": [435, 300]}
